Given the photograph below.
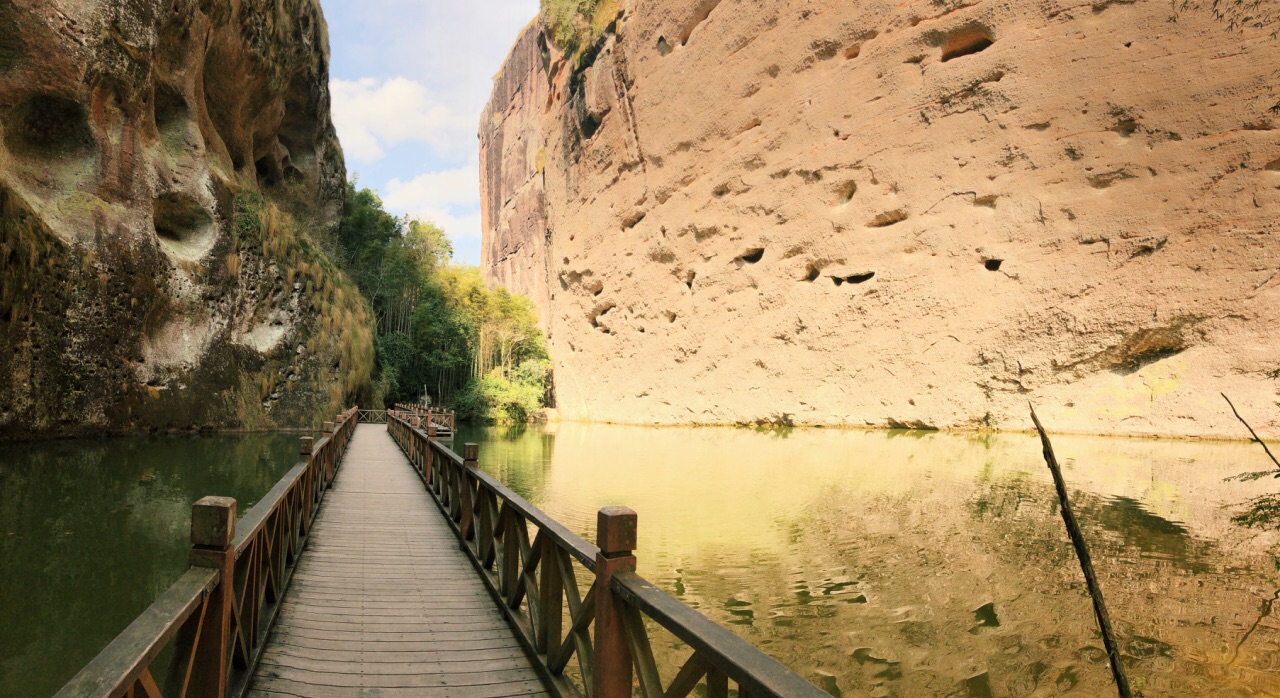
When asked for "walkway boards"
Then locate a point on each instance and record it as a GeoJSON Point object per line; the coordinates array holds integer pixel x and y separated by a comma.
{"type": "Point", "coordinates": [383, 603]}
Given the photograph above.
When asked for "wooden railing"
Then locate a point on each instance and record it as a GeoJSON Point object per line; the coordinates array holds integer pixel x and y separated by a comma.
{"type": "Point", "coordinates": [372, 416]}
{"type": "Point", "coordinates": [216, 617]}
{"type": "Point", "coordinates": [446, 421]}
{"type": "Point", "coordinates": [601, 617]}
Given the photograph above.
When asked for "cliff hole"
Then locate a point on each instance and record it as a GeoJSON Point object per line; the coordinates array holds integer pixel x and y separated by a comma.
{"type": "Point", "coordinates": [664, 48]}
{"type": "Point", "coordinates": [888, 218]}
{"type": "Point", "coordinates": [268, 171]}
{"type": "Point", "coordinates": [1126, 126]}
{"type": "Point", "coordinates": [49, 127]}
{"type": "Point", "coordinates": [853, 279]}
{"type": "Point", "coordinates": [184, 227]}
{"type": "Point", "coordinates": [171, 111]}
{"type": "Point", "coordinates": [688, 279]}
{"type": "Point", "coordinates": [845, 191]}
{"type": "Point", "coordinates": [966, 42]}
{"type": "Point", "coordinates": [753, 255]}
{"type": "Point", "coordinates": [599, 312]}
{"type": "Point", "coordinates": [813, 273]}
{"type": "Point", "coordinates": [993, 264]}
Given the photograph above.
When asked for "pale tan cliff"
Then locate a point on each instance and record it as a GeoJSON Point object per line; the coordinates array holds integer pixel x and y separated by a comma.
{"type": "Point", "coordinates": [897, 213]}
{"type": "Point", "coordinates": [168, 176]}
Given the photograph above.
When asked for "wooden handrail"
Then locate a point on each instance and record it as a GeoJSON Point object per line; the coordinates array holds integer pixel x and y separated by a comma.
{"type": "Point", "coordinates": [129, 656]}
{"type": "Point", "coordinates": [217, 615]}
{"type": "Point", "coordinates": [534, 581]}
{"type": "Point", "coordinates": [738, 659]}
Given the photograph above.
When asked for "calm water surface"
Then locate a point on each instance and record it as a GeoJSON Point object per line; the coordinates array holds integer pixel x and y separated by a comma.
{"type": "Point", "coordinates": [92, 531]}
{"type": "Point", "coordinates": [902, 564]}
{"type": "Point", "coordinates": [876, 564]}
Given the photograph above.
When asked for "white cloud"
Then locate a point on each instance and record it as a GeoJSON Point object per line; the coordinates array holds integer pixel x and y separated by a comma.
{"type": "Point", "coordinates": [448, 198]}
{"type": "Point", "coordinates": [373, 114]}
{"type": "Point", "coordinates": [420, 73]}
{"type": "Point", "coordinates": [434, 190]}
{"type": "Point", "coordinates": [456, 224]}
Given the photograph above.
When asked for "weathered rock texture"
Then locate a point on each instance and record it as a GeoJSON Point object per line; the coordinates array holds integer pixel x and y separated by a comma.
{"type": "Point", "coordinates": [918, 214]}
{"type": "Point", "coordinates": [166, 172]}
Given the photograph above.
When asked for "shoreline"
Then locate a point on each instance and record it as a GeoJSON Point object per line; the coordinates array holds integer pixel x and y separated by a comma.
{"type": "Point", "coordinates": [763, 427]}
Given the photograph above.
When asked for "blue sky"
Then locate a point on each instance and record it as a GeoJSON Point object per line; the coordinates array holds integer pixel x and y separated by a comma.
{"type": "Point", "coordinates": [409, 79]}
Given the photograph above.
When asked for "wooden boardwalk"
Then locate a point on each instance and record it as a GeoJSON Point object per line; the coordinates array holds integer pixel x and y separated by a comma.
{"type": "Point", "coordinates": [384, 603]}
{"type": "Point", "coordinates": [368, 584]}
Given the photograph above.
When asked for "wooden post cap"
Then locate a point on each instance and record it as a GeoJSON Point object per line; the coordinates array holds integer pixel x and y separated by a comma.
{"type": "Point", "coordinates": [328, 427]}
{"type": "Point", "coordinates": [213, 522]}
{"type": "Point", "coordinates": [304, 445]}
{"type": "Point", "coordinates": [616, 530]}
{"type": "Point", "coordinates": [470, 451]}
{"type": "Point", "coordinates": [431, 430]}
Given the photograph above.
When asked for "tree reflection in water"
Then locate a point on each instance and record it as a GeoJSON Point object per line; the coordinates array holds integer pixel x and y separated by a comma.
{"type": "Point", "coordinates": [92, 531]}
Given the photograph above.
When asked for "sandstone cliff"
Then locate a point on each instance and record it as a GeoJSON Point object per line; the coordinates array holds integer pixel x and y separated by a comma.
{"type": "Point", "coordinates": [920, 214]}
{"type": "Point", "coordinates": [168, 176]}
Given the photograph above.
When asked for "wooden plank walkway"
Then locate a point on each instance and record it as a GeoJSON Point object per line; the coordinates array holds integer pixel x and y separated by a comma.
{"type": "Point", "coordinates": [383, 603]}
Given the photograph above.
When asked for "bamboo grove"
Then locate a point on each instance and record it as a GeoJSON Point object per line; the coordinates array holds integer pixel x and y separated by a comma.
{"type": "Point", "coordinates": [439, 328]}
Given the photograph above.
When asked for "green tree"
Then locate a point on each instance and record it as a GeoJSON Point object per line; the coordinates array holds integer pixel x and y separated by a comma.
{"type": "Point", "coordinates": [439, 325]}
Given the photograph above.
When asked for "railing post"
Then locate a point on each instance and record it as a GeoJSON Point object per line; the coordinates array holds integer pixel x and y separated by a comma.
{"type": "Point", "coordinates": [317, 482]}
{"type": "Point", "coordinates": [550, 599]}
{"type": "Point", "coordinates": [213, 528]}
{"type": "Point", "coordinates": [470, 455]}
{"type": "Point", "coordinates": [333, 447]}
{"type": "Point", "coordinates": [431, 455]}
{"type": "Point", "coordinates": [616, 538]}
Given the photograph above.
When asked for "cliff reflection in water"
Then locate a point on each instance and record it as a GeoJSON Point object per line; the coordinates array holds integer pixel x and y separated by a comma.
{"type": "Point", "coordinates": [932, 564]}
{"type": "Point", "coordinates": [92, 531]}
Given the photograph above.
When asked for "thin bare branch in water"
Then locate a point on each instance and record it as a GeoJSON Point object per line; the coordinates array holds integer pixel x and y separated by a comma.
{"type": "Point", "coordinates": [1252, 433]}
{"type": "Point", "coordinates": [1267, 605]}
{"type": "Point", "coordinates": [1086, 563]}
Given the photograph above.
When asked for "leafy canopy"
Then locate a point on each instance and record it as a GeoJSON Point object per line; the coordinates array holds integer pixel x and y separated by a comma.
{"type": "Point", "coordinates": [440, 328]}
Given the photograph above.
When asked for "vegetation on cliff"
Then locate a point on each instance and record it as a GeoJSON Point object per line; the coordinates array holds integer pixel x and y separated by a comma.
{"type": "Point", "coordinates": [438, 327]}
{"type": "Point", "coordinates": [267, 236]}
{"type": "Point", "coordinates": [576, 24]}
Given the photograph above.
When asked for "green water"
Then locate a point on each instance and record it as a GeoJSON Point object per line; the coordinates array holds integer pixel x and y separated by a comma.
{"type": "Point", "coordinates": [92, 531]}
{"type": "Point", "coordinates": [905, 564]}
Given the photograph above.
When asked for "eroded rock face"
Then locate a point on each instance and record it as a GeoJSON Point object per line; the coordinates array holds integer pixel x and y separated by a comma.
{"type": "Point", "coordinates": [166, 169]}
{"type": "Point", "coordinates": [919, 214]}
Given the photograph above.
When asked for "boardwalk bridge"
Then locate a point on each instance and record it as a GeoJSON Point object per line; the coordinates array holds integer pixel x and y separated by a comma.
{"type": "Point", "coordinates": [347, 579]}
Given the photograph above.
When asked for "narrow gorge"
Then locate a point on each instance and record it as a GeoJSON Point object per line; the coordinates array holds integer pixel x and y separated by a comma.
{"type": "Point", "coordinates": [921, 214]}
